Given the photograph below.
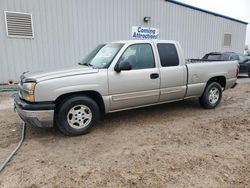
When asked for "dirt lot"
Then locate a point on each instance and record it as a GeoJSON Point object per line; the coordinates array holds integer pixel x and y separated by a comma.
{"type": "Point", "coordinates": [171, 145]}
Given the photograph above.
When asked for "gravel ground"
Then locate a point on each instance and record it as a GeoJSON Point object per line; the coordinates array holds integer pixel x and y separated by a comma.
{"type": "Point", "coordinates": [171, 145]}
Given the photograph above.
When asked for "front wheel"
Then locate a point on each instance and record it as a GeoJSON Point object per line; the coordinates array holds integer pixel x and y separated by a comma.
{"type": "Point", "coordinates": [211, 96]}
{"type": "Point", "coordinates": [77, 115]}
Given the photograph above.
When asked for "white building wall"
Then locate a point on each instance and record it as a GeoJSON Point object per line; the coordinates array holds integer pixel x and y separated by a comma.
{"type": "Point", "coordinates": [66, 30]}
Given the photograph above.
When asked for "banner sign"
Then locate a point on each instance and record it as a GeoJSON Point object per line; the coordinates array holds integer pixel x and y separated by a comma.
{"type": "Point", "coordinates": [139, 32]}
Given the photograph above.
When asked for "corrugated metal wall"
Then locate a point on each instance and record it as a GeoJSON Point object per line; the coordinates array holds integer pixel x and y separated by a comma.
{"type": "Point", "coordinates": [65, 30]}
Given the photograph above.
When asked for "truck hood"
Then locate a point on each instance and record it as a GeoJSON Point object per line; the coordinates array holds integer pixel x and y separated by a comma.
{"type": "Point", "coordinates": [57, 73]}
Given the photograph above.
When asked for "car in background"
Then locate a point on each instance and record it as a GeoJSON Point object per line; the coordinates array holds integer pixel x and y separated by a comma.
{"type": "Point", "coordinates": [244, 62]}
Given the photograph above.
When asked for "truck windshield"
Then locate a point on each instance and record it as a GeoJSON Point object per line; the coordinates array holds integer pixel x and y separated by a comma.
{"type": "Point", "coordinates": [225, 57]}
{"type": "Point", "coordinates": [212, 56]}
{"type": "Point", "coordinates": [102, 55]}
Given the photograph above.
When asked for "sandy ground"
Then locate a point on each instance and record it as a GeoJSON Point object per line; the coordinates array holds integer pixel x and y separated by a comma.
{"type": "Point", "coordinates": [171, 145]}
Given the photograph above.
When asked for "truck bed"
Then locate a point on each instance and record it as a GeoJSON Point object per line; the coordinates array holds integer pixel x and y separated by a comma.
{"type": "Point", "coordinates": [199, 72]}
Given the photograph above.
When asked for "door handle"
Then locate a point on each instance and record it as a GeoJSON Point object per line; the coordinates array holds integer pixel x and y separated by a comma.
{"type": "Point", "coordinates": [154, 75]}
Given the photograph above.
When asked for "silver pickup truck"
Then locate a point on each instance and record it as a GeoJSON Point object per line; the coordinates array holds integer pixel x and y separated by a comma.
{"type": "Point", "coordinates": [118, 76]}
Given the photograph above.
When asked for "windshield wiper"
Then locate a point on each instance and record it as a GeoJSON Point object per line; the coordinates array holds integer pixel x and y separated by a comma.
{"type": "Point", "coordinates": [88, 64]}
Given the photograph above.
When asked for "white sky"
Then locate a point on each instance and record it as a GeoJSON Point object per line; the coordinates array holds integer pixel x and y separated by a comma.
{"type": "Point", "coordinates": [233, 8]}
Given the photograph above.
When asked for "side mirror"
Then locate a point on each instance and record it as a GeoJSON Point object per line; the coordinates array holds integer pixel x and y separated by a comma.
{"type": "Point", "coordinates": [123, 65]}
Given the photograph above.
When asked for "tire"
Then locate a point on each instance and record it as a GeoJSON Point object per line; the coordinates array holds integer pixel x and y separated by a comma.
{"type": "Point", "coordinates": [77, 115]}
{"type": "Point", "coordinates": [211, 96]}
{"type": "Point", "coordinates": [248, 75]}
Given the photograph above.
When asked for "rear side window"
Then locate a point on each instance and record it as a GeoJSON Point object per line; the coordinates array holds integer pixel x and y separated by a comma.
{"type": "Point", "coordinates": [168, 55]}
{"type": "Point", "coordinates": [234, 57]}
{"type": "Point", "coordinates": [242, 58]}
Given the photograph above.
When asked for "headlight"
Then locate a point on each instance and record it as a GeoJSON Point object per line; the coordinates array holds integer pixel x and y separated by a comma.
{"type": "Point", "coordinates": [28, 91]}
{"type": "Point", "coordinates": [29, 87]}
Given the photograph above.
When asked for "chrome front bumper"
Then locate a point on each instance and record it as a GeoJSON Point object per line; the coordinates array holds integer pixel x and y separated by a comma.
{"type": "Point", "coordinates": [39, 118]}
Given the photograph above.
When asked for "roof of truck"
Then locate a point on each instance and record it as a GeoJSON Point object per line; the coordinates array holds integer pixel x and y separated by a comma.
{"type": "Point", "coordinates": [144, 41]}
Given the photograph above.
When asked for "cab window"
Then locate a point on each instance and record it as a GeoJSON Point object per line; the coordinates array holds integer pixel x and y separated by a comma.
{"type": "Point", "coordinates": [140, 56]}
{"type": "Point", "coordinates": [168, 54]}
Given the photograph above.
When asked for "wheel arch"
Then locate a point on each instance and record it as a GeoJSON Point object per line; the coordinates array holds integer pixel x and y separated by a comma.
{"type": "Point", "coordinates": [96, 96]}
{"type": "Point", "coordinates": [219, 79]}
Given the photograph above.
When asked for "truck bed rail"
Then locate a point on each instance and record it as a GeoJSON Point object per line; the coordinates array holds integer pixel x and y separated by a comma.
{"type": "Point", "coordinates": [200, 60]}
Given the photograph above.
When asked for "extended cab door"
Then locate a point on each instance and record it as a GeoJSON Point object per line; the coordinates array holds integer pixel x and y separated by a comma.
{"type": "Point", "coordinates": [138, 86]}
{"type": "Point", "coordinates": [173, 72]}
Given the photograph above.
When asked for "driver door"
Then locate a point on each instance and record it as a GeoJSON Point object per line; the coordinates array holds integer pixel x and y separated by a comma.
{"type": "Point", "coordinates": [138, 86]}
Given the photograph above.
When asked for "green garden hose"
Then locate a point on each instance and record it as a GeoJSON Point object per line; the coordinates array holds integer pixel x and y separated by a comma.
{"type": "Point", "coordinates": [7, 160]}
{"type": "Point", "coordinates": [8, 89]}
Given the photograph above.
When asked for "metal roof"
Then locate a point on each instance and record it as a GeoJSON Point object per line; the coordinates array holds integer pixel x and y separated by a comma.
{"type": "Point", "coordinates": [205, 11]}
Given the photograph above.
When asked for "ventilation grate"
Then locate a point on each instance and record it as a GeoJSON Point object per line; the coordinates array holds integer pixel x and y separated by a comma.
{"type": "Point", "coordinates": [19, 24]}
{"type": "Point", "coordinates": [227, 39]}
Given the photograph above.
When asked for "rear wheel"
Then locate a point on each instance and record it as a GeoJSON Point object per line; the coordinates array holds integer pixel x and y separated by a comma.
{"type": "Point", "coordinates": [211, 96]}
{"type": "Point", "coordinates": [77, 115]}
